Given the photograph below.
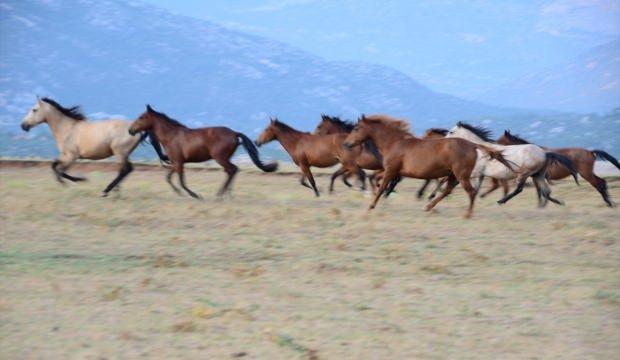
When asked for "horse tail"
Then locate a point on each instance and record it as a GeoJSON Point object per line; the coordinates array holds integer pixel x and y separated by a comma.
{"type": "Point", "coordinates": [497, 155]}
{"type": "Point", "coordinates": [605, 156]}
{"type": "Point", "coordinates": [564, 161]}
{"type": "Point", "coordinates": [156, 145]}
{"type": "Point", "coordinates": [253, 152]}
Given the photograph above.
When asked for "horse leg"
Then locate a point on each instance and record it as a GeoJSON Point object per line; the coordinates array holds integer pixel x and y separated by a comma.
{"type": "Point", "coordinates": [181, 173]}
{"type": "Point", "coordinates": [60, 166]}
{"type": "Point", "coordinates": [302, 181]}
{"type": "Point", "coordinates": [231, 170]}
{"type": "Point", "coordinates": [545, 191]}
{"type": "Point", "coordinates": [362, 177]}
{"type": "Point", "coordinates": [423, 188]}
{"type": "Point", "coordinates": [472, 192]}
{"type": "Point", "coordinates": [345, 180]}
{"type": "Point", "coordinates": [126, 168]}
{"type": "Point", "coordinates": [505, 186]}
{"type": "Point", "coordinates": [520, 184]}
{"type": "Point", "coordinates": [452, 182]}
{"type": "Point", "coordinates": [169, 180]}
{"type": "Point", "coordinates": [599, 184]}
{"type": "Point", "coordinates": [494, 186]}
{"type": "Point", "coordinates": [335, 175]}
{"type": "Point", "coordinates": [539, 193]}
{"type": "Point", "coordinates": [388, 176]}
{"type": "Point", "coordinates": [392, 186]}
{"type": "Point", "coordinates": [440, 183]}
{"type": "Point", "coordinates": [305, 169]}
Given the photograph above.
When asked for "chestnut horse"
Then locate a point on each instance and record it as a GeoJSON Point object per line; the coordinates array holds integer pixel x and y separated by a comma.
{"type": "Point", "coordinates": [406, 155]}
{"type": "Point", "coordinates": [185, 145]}
{"type": "Point", "coordinates": [582, 158]}
{"type": "Point", "coordinates": [308, 150]}
{"type": "Point", "coordinates": [77, 138]}
{"type": "Point", "coordinates": [366, 156]}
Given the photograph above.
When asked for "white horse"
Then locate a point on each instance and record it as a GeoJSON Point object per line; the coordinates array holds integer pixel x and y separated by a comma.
{"type": "Point", "coordinates": [528, 160]}
{"type": "Point", "coordinates": [77, 138]}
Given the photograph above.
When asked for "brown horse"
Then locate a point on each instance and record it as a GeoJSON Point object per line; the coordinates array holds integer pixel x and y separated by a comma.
{"type": "Point", "coordinates": [406, 155]}
{"type": "Point", "coordinates": [366, 156]}
{"type": "Point", "coordinates": [308, 150]}
{"type": "Point", "coordinates": [582, 158]}
{"type": "Point", "coordinates": [184, 145]}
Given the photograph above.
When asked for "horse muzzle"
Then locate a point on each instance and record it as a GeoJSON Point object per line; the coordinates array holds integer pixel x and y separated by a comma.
{"type": "Point", "coordinates": [258, 143]}
{"type": "Point", "coordinates": [132, 132]}
{"type": "Point", "coordinates": [26, 127]}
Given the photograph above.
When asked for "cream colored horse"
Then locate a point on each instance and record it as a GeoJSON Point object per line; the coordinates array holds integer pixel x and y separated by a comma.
{"type": "Point", "coordinates": [528, 160]}
{"type": "Point", "coordinates": [77, 138]}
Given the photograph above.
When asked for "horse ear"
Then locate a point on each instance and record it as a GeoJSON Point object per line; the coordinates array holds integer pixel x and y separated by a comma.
{"type": "Point", "coordinates": [506, 132]}
{"type": "Point", "coordinates": [149, 108]}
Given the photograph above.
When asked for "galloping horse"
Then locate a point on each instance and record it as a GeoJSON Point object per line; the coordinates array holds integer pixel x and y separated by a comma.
{"type": "Point", "coordinates": [528, 160]}
{"type": "Point", "coordinates": [366, 156]}
{"type": "Point", "coordinates": [77, 138]}
{"type": "Point", "coordinates": [185, 145]}
{"type": "Point", "coordinates": [582, 158]}
{"type": "Point", "coordinates": [406, 155]}
{"type": "Point", "coordinates": [308, 150]}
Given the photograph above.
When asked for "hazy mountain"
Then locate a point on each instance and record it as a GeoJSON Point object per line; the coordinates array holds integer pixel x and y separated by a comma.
{"type": "Point", "coordinates": [112, 57]}
{"type": "Point", "coordinates": [588, 82]}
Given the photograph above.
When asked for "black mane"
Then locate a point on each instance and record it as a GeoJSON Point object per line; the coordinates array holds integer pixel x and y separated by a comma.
{"type": "Point", "coordinates": [347, 125]}
{"type": "Point", "coordinates": [167, 118]}
{"type": "Point", "coordinates": [73, 112]}
{"type": "Point", "coordinates": [515, 138]}
{"type": "Point", "coordinates": [438, 131]}
{"type": "Point", "coordinates": [482, 132]}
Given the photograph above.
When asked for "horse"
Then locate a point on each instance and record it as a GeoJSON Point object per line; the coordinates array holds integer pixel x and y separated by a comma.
{"type": "Point", "coordinates": [308, 150]}
{"type": "Point", "coordinates": [184, 145]}
{"type": "Point", "coordinates": [77, 138]}
{"type": "Point", "coordinates": [409, 156]}
{"type": "Point", "coordinates": [367, 156]}
{"type": "Point", "coordinates": [528, 160]}
{"type": "Point", "coordinates": [582, 158]}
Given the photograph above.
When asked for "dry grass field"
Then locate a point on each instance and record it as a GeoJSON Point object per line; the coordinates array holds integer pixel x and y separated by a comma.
{"type": "Point", "coordinates": [275, 273]}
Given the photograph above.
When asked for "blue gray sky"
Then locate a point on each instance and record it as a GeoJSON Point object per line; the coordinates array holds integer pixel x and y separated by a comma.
{"type": "Point", "coordinates": [457, 47]}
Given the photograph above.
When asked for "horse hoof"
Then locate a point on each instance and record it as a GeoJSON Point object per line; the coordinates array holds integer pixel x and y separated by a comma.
{"type": "Point", "coordinates": [501, 202]}
{"type": "Point", "coordinates": [104, 194]}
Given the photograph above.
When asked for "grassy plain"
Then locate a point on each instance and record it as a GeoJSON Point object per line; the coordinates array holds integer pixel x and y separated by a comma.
{"type": "Point", "coordinates": [275, 273]}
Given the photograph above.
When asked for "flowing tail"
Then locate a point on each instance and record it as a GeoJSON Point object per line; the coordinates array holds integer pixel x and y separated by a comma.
{"type": "Point", "coordinates": [497, 155]}
{"type": "Point", "coordinates": [253, 152]}
{"type": "Point", "coordinates": [156, 145]}
{"type": "Point", "coordinates": [602, 155]}
{"type": "Point", "coordinates": [564, 161]}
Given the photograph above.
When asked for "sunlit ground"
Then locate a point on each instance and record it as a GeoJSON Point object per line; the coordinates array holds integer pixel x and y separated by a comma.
{"type": "Point", "coordinates": [275, 273]}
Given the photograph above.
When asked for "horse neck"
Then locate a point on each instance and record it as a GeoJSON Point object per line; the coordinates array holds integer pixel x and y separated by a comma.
{"type": "Point", "coordinates": [60, 124]}
{"type": "Point", "coordinates": [386, 138]}
{"type": "Point", "coordinates": [164, 131]}
{"type": "Point", "coordinates": [289, 138]}
{"type": "Point", "coordinates": [339, 130]}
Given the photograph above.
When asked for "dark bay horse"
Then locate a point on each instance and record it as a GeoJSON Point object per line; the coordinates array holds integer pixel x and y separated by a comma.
{"type": "Point", "coordinates": [308, 150]}
{"type": "Point", "coordinates": [366, 155]}
{"type": "Point", "coordinates": [406, 155]}
{"type": "Point", "coordinates": [583, 160]}
{"type": "Point", "coordinates": [185, 145]}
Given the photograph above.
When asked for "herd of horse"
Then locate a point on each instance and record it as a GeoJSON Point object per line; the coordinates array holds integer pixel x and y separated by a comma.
{"type": "Point", "coordinates": [464, 154]}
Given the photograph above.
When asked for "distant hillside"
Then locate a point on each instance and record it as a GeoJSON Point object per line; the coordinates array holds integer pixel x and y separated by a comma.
{"type": "Point", "coordinates": [114, 56]}
{"type": "Point", "coordinates": [591, 81]}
